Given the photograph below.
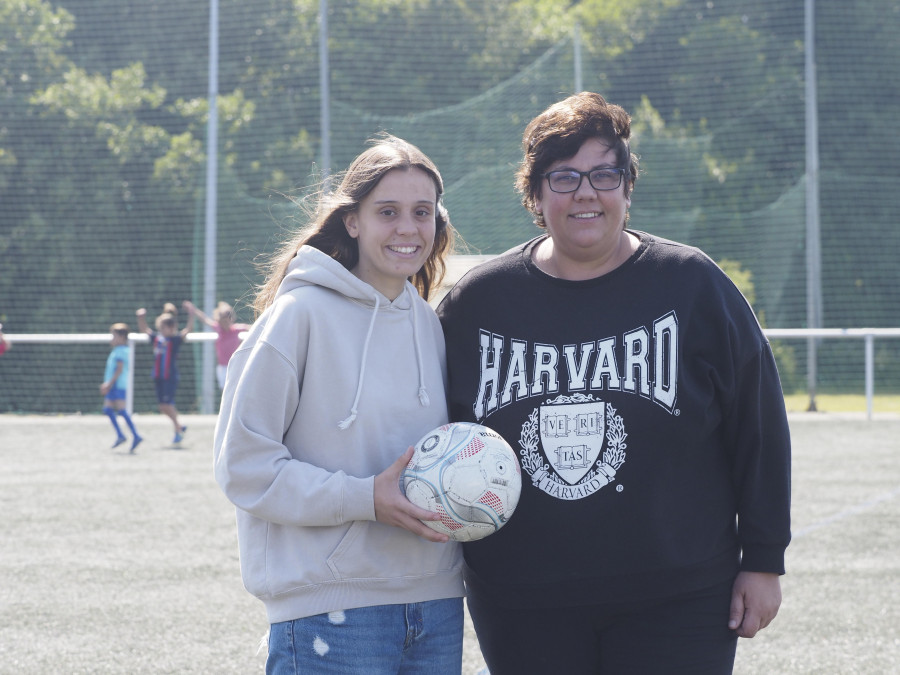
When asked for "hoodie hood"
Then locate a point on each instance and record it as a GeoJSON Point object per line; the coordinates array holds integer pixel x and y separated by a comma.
{"type": "Point", "coordinates": [312, 267]}
{"type": "Point", "coordinates": [303, 484]}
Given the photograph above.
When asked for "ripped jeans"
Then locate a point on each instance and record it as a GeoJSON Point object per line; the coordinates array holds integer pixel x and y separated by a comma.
{"type": "Point", "coordinates": [423, 638]}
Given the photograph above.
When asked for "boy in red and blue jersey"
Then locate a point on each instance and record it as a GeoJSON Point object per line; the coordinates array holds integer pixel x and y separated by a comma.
{"type": "Point", "coordinates": [166, 341]}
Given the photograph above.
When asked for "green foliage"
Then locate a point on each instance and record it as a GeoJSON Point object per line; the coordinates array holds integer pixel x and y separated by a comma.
{"type": "Point", "coordinates": [741, 278]}
{"type": "Point", "coordinates": [32, 33]}
{"type": "Point", "coordinates": [785, 356]}
{"type": "Point", "coordinates": [110, 106]}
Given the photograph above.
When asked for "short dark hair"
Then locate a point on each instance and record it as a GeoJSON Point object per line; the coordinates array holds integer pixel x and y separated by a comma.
{"type": "Point", "coordinates": [559, 132]}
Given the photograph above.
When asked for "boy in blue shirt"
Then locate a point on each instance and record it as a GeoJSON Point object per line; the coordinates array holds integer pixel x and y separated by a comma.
{"type": "Point", "coordinates": [115, 385]}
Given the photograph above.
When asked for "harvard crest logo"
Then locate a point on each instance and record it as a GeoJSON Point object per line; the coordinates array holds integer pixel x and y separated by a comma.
{"type": "Point", "coordinates": [573, 431]}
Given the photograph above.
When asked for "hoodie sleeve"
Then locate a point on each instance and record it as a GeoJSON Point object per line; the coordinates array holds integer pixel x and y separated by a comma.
{"type": "Point", "coordinates": [254, 468]}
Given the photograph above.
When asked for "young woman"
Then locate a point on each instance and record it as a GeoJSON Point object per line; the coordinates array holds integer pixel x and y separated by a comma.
{"type": "Point", "coordinates": [643, 398]}
{"type": "Point", "coordinates": [341, 373]}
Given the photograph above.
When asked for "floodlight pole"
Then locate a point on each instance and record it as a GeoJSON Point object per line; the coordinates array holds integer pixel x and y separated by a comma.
{"type": "Point", "coordinates": [212, 145]}
{"type": "Point", "coordinates": [324, 90]}
{"type": "Point", "coordinates": [813, 225]}
{"type": "Point", "coordinates": [576, 57]}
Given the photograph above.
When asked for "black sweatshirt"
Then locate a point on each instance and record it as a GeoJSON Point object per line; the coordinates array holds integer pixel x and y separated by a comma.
{"type": "Point", "coordinates": [648, 418]}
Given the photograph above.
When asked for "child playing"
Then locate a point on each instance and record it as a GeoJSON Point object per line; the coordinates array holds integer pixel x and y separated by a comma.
{"type": "Point", "coordinates": [115, 385]}
{"type": "Point", "coordinates": [229, 332]}
{"type": "Point", "coordinates": [166, 341]}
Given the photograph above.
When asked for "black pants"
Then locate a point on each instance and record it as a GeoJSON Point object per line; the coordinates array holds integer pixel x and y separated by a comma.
{"type": "Point", "coordinates": [685, 635]}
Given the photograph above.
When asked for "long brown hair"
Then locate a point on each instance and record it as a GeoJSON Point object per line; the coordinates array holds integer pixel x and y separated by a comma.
{"type": "Point", "coordinates": [325, 229]}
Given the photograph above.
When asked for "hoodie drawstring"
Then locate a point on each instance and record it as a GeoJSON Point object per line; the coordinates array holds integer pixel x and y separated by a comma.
{"type": "Point", "coordinates": [423, 392]}
{"type": "Point", "coordinates": [344, 424]}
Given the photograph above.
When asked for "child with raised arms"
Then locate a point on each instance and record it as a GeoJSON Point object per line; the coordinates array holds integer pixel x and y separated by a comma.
{"type": "Point", "coordinates": [228, 331]}
{"type": "Point", "coordinates": [166, 341]}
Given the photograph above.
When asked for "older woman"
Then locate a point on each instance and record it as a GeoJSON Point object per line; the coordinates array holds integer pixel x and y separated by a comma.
{"type": "Point", "coordinates": [643, 399]}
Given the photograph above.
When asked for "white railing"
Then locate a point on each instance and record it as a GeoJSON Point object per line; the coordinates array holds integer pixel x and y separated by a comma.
{"type": "Point", "coordinates": [868, 336]}
{"type": "Point", "coordinates": [91, 338]}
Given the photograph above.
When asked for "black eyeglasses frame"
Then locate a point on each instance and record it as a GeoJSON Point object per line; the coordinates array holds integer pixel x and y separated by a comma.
{"type": "Point", "coordinates": [581, 177]}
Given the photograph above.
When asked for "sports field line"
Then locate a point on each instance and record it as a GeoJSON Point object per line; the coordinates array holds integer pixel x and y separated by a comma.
{"type": "Point", "coordinates": [846, 513]}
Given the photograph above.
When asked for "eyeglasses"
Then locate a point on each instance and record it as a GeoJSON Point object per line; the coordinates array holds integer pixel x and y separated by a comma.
{"type": "Point", "coordinates": [569, 180]}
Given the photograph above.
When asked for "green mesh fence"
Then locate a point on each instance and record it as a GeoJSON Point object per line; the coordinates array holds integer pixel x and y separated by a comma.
{"type": "Point", "coordinates": [103, 109]}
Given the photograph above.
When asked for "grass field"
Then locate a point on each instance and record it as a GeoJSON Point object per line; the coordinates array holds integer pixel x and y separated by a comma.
{"type": "Point", "coordinates": [111, 563]}
{"type": "Point", "coordinates": [842, 403]}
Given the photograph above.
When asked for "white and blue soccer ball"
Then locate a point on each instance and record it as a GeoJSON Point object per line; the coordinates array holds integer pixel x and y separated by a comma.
{"type": "Point", "coordinates": [469, 475]}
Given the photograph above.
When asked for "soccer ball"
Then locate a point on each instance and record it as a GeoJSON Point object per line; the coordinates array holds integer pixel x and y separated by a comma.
{"type": "Point", "coordinates": [469, 475]}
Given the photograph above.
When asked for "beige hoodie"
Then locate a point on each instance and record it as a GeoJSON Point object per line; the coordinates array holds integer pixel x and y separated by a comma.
{"type": "Point", "coordinates": [333, 383]}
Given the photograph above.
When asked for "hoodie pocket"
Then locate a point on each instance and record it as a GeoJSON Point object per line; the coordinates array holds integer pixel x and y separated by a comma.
{"type": "Point", "coordinates": [373, 550]}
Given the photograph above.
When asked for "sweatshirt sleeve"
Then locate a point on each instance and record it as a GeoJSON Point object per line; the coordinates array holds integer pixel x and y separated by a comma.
{"type": "Point", "coordinates": [760, 444]}
{"type": "Point", "coordinates": [254, 468]}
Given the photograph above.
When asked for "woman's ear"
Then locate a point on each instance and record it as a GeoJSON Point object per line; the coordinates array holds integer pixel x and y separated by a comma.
{"type": "Point", "coordinates": [350, 223]}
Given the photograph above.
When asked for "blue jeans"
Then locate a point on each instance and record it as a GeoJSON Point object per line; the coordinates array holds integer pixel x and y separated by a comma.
{"type": "Point", "coordinates": [423, 638]}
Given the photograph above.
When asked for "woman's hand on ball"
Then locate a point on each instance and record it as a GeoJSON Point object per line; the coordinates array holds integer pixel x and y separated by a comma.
{"type": "Point", "coordinates": [393, 508]}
